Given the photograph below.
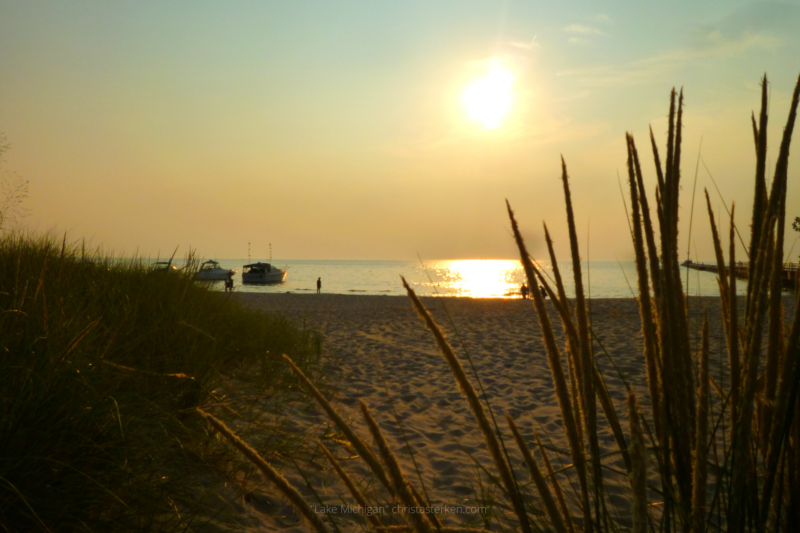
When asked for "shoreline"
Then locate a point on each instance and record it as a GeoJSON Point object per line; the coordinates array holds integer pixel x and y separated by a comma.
{"type": "Point", "coordinates": [310, 294]}
{"type": "Point", "coordinates": [294, 305]}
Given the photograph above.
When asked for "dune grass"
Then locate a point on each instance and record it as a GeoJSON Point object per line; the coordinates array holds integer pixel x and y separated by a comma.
{"type": "Point", "coordinates": [724, 452]}
{"type": "Point", "coordinates": [103, 363]}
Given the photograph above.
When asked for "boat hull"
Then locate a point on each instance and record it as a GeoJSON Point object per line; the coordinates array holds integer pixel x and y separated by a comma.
{"type": "Point", "coordinates": [263, 278]}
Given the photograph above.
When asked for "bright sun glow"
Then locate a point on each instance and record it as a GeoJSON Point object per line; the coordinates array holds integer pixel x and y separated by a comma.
{"type": "Point", "coordinates": [488, 99]}
{"type": "Point", "coordinates": [485, 278]}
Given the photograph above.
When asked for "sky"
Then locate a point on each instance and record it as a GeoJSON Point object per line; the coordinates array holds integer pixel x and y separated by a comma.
{"type": "Point", "coordinates": [339, 129]}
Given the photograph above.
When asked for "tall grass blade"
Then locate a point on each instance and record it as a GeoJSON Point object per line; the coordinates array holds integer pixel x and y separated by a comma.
{"type": "Point", "coordinates": [639, 471]}
{"type": "Point", "coordinates": [467, 389]}
{"type": "Point", "coordinates": [399, 481]}
{"type": "Point", "coordinates": [701, 449]}
{"type": "Point", "coordinates": [423, 502]}
{"type": "Point", "coordinates": [553, 511]}
{"type": "Point", "coordinates": [648, 323]}
{"type": "Point", "coordinates": [573, 343]}
{"type": "Point", "coordinates": [562, 502]}
{"type": "Point", "coordinates": [741, 444]}
{"type": "Point", "coordinates": [673, 327]}
{"type": "Point", "coordinates": [775, 342]}
{"type": "Point", "coordinates": [554, 359]}
{"type": "Point", "coordinates": [734, 332]}
{"type": "Point", "coordinates": [760, 194]}
{"type": "Point", "coordinates": [587, 360]}
{"type": "Point", "coordinates": [351, 486]}
{"type": "Point", "coordinates": [652, 251]}
{"type": "Point", "coordinates": [723, 274]}
{"type": "Point", "coordinates": [360, 446]}
{"type": "Point", "coordinates": [269, 472]}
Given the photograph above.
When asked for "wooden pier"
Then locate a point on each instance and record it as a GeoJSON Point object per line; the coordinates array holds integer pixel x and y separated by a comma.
{"type": "Point", "coordinates": [789, 277]}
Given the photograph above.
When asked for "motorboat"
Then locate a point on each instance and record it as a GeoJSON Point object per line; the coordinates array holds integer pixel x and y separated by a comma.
{"type": "Point", "coordinates": [261, 273]}
{"type": "Point", "coordinates": [211, 271]}
{"type": "Point", "coordinates": [164, 266]}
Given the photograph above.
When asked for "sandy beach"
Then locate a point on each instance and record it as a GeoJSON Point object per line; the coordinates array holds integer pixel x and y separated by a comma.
{"type": "Point", "coordinates": [377, 349]}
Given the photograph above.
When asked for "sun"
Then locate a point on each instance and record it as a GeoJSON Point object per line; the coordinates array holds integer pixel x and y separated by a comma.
{"type": "Point", "coordinates": [487, 100]}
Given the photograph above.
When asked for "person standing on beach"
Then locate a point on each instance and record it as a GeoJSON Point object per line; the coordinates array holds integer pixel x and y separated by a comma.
{"type": "Point", "coordinates": [524, 291]}
{"type": "Point", "coordinates": [319, 285]}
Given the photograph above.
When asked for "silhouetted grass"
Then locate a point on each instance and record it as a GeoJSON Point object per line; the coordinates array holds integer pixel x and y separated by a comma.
{"type": "Point", "coordinates": [103, 363]}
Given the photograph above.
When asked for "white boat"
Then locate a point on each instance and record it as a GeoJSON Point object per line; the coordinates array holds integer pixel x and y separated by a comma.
{"type": "Point", "coordinates": [211, 271]}
{"type": "Point", "coordinates": [260, 273]}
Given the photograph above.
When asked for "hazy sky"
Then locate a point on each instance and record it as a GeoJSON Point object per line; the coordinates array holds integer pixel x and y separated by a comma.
{"type": "Point", "coordinates": [336, 129]}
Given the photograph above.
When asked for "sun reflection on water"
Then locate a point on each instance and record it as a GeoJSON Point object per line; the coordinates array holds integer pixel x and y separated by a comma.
{"type": "Point", "coordinates": [478, 278]}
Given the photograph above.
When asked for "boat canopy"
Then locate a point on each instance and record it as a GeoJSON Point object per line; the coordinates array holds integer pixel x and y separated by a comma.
{"type": "Point", "coordinates": [258, 265]}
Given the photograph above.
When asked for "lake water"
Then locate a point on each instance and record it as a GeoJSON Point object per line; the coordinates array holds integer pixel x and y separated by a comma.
{"type": "Point", "coordinates": [465, 278]}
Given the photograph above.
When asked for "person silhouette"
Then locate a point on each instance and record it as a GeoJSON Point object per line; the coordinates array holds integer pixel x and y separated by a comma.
{"type": "Point", "coordinates": [524, 291]}
{"type": "Point", "coordinates": [319, 285]}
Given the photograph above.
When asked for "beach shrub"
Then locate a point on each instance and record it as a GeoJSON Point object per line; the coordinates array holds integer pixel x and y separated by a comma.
{"type": "Point", "coordinates": [699, 453]}
{"type": "Point", "coordinates": [103, 363]}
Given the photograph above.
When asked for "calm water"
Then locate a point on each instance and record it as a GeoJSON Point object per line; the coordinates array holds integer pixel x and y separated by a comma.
{"type": "Point", "coordinates": [469, 278]}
